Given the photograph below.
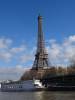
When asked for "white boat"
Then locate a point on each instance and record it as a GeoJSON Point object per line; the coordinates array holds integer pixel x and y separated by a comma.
{"type": "Point", "coordinates": [28, 85]}
{"type": "Point", "coordinates": [0, 85]}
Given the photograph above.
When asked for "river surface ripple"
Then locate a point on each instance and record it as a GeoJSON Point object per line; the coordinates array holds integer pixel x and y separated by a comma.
{"type": "Point", "coordinates": [42, 95]}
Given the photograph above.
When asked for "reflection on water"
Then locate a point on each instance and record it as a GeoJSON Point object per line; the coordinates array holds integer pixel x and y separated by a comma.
{"type": "Point", "coordinates": [54, 95]}
{"type": "Point", "coordinates": [42, 95]}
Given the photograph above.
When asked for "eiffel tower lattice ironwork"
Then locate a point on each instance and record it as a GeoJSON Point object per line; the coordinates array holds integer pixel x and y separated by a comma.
{"type": "Point", "coordinates": [41, 57]}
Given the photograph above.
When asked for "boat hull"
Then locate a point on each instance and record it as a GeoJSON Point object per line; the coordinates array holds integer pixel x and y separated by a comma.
{"type": "Point", "coordinates": [21, 86]}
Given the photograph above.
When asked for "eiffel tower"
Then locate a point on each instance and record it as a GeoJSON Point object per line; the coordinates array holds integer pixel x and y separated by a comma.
{"type": "Point", "coordinates": [41, 56]}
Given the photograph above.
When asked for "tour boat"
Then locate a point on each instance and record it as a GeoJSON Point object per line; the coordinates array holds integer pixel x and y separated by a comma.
{"type": "Point", "coordinates": [27, 85]}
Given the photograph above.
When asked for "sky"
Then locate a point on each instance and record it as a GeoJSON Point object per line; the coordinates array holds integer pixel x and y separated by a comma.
{"type": "Point", "coordinates": [19, 28]}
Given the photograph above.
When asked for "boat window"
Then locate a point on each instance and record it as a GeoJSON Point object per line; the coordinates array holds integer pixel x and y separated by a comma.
{"type": "Point", "coordinates": [20, 86]}
{"type": "Point", "coordinates": [35, 84]}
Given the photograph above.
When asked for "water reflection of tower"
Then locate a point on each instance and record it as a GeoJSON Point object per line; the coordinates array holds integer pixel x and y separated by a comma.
{"type": "Point", "coordinates": [41, 57]}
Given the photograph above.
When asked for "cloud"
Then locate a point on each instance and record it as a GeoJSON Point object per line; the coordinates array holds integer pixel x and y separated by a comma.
{"type": "Point", "coordinates": [18, 49]}
{"type": "Point", "coordinates": [59, 54]}
{"type": "Point", "coordinates": [5, 43]}
{"type": "Point", "coordinates": [71, 38]}
{"type": "Point", "coordinates": [52, 41]}
{"type": "Point", "coordinates": [29, 56]}
{"type": "Point", "coordinates": [12, 73]}
{"type": "Point", "coordinates": [62, 54]}
{"type": "Point", "coordinates": [5, 56]}
{"type": "Point", "coordinates": [8, 51]}
{"type": "Point", "coordinates": [25, 58]}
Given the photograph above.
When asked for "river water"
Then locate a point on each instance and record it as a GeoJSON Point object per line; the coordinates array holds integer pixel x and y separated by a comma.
{"type": "Point", "coordinates": [42, 95]}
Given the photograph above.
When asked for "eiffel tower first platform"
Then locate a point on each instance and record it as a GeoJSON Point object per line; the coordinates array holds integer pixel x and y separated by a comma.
{"type": "Point", "coordinates": [41, 56]}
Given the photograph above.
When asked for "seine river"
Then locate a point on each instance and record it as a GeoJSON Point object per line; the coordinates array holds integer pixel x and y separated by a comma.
{"type": "Point", "coordinates": [37, 95]}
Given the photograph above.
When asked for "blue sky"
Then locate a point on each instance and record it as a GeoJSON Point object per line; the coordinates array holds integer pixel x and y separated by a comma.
{"type": "Point", "coordinates": [18, 33]}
